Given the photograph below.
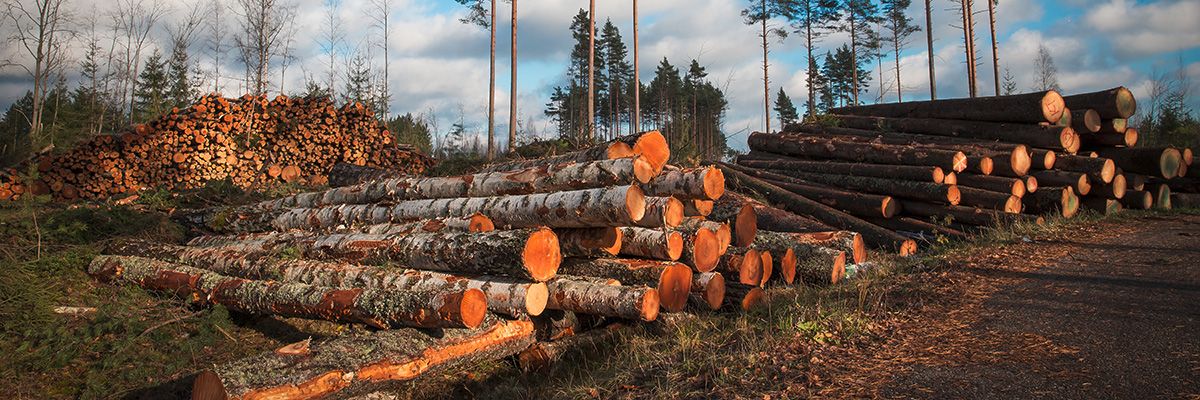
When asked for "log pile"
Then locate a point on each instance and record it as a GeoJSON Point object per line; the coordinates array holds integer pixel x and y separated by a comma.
{"type": "Point", "coordinates": [532, 250]}
{"type": "Point", "coordinates": [919, 170]}
{"type": "Point", "coordinates": [250, 141]}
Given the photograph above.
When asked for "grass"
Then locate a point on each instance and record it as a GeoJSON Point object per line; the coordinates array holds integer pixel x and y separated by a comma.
{"type": "Point", "coordinates": [137, 342]}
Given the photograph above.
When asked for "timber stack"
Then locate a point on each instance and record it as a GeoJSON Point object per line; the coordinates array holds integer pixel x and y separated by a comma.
{"type": "Point", "coordinates": [524, 258]}
{"type": "Point", "coordinates": [250, 141]}
{"type": "Point", "coordinates": [927, 169]}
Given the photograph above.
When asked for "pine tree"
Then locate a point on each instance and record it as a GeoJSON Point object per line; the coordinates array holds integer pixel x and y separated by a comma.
{"type": "Point", "coordinates": [359, 82]}
{"type": "Point", "coordinates": [785, 109]}
{"type": "Point", "coordinates": [617, 73]}
{"type": "Point", "coordinates": [899, 27]}
{"type": "Point", "coordinates": [150, 99]}
{"type": "Point", "coordinates": [179, 75]}
{"type": "Point", "coordinates": [813, 19]}
{"type": "Point", "coordinates": [819, 86]}
{"type": "Point", "coordinates": [1010, 83]}
{"type": "Point", "coordinates": [858, 17]}
{"type": "Point", "coordinates": [760, 12]}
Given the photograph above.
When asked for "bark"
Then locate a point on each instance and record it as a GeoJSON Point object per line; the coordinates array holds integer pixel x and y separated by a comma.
{"type": "Point", "coordinates": [697, 208]}
{"type": "Point", "coordinates": [557, 324]}
{"type": "Point", "coordinates": [1032, 135]}
{"type": "Point", "coordinates": [346, 174]}
{"type": "Point", "coordinates": [1115, 127]}
{"type": "Point", "coordinates": [701, 245]}
{"type": "Point", "coordinates": [1136, 181]}
{"type": "Point", "coordinates": [359, 364]}
{"type": "Point", "coordinates": [542, 356]}
{"type": "Point", "coordinates": [524, 253]}
{"type": "Point", "coordinates": [1102, 206]}
{"type": "Point", "coordinates": [855, 203]}
{"type": "Point", "coordinates": [472, 224]}
{"type": "Point", "coordinates": [806, 257]}
{"type": "Point", "coordinates": [1058, 200]}
{"type": "Point", "coordinates": [1076, 180]}
{"type": "Point", "coordinates": [874, 235]}
{"type": "Point", "coordinates": [1013, 186]}
{"type": "Point", "coordinates": [743, 297]}
{"type": "Point", "coordinates": [708, 288]}
{"type": "Point", "coordinates": [1185, 200]}
{"type": "Point", "coordinates": [1162, 196]}
{"type": "Point", "coordinates": [1153, 161]}
{"type": "Point", "coordinates": [1112, 190]}
{"type": "Point", "coordinates": [1117, 102]}
{"type": "Point", "coordinates": [433, 308]}
{"type": "Point", "coordinates": [962, 214]}
{"type": "Point", "coordinates": [1002, 201]}
{"type": "Point", "coordinates": [898, 188]}
{"type": "Point", "coordinates": [661, 212]}
{"type": "Point", "coordinates": [589, 297]}
{"type": "Point", "coordinates": [849, 242]}
{"type": "Point", "coordinates": [1035, 107]}
{"type": "Point", "coordinates": [504, 295]}
{"type": "Point", "coordinates": [1098, 169]}
{"type": "Point", "coordinates": [860, 152]}
{"type": "Point", "coordinates": [774, 219]}
{"type": "Point", "coordinates": [590, 242]}
{"type": "Point", "coordinates": [1085, 121]}
{"type": "Point", "coordinates": [673, 280]}
{"type": "Point", "coordinates": [704, 183]}
{"type": "Point", "coordinates": [742, 263]}
{"type": "Point", "coordinates": [975, 149]}
{"type": "Point", "coordinates": [651, 244]}
{"type": "Point", "coordinates": [650, 146]}
{"type": "Point", "coordinates": [919, 227]}
{"type": "Point", "coordinates": [911, 173]}
{"type": "Point", "coordinates": [1138, 200]}
{"type": "Point", "coordinates": [1047, 157]}
{"type": "Point", "coordinates": [1031, 184]}
{"type": "Point", "coordinates": [980, 165]}
{"type": "Point", "coordinates": [738, 215]}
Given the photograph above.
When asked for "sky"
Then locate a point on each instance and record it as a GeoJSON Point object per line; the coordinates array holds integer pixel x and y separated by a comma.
{"type": "Point", "coordinates": [438, 66]}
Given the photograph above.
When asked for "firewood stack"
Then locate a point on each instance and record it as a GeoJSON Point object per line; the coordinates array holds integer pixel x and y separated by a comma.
{"type": "Point", "coordinates": [923, 169]}
{"type": "Point", "coordinates": [249, 140]}
{"type": "Point", "coordinates": [526, 250]}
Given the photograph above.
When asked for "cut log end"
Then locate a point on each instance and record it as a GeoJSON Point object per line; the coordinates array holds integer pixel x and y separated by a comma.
{"type": "Point", "coordinates": [908, 248]}
{"type": "Point", "coordinates": [653, 147]}
{"type": "Point", "coordinates": [787, 266]}
{"type": "Point", "coordinates": [889, 207]}
{"type": "Point", "coordinates": [208, 386]}
{"type": "Point", "coordinates": [480, 223]}
{"type": "Point", "coordinates": [953, 195]}
{"type": "Point", "coordinates": [951, 179]}
{"type": "Point", "coordinates": [706, 250]}
{"type": "Point", "coordinates": [643, 170]}
{"type": "Point", "coordinates": [1108, 171]}
{"type": "Point", "coordinates": [674, 245]}
{"type": "Point", "coordinates": [1169, 162]}
{"type": "Point", "coordinates": [1126, 103]}
{"type": "Point", "coordinates": [472, 307]}
{"type": "Point", "coordinates": [673, 214]}
{"type": "Point", "coordinates": [542, 254]}
{"type": "Point", "coordinates": [714, 291]}
{"type": "Point", "coordinates": [1049, 160]}
{"type": "Point", "coordinates": [1031, 184]}
{"type": "Point", "coordinates": [754, 298]}
{"type": "Point", "coordinates": [619, 150]}
{"type": "Point", "coordinates": [960, 162]}
{"type": "Point", "coordinates": [1119, 186]}
{"type": "Point", "coordinates": [768, 267]}
{"type": "Point", "coordinates": [859, 247]}
{"type": "Point", "coordinates": [714, 183]}
{"type": "Point", "coordinates": [1084, 186]}
{"type": "Point", "coordinates": [1020, 160]}
{"type": "Point", "coordinates": [745, 226]}
{"type": "Point", "coordinates": [649, 305]}
{"type": "Point", "coordinates": [938, 175]}
{"type": "Point", "coordinates": [986, 166]}
{"type": "Point", "coordinates": [1053, 106]}
{"type": "Point", "coordinates": [536, 296]}
{"type": "Point", "coordinates": [635, 203]}
{"type": "Point", "coordinates": [838, 272]}
{"type": "Point", "coordinates": [1013, 205]}
{"type": "Point", "coordinates": [673, 287]}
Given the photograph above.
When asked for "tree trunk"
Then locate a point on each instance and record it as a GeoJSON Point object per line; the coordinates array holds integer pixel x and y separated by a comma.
{"type": "Point", "coordinates": [360, 363]}
{"type": "Point", "coordinates": [661, 212]}
{"type": "Point", "coordinates": [961, 214]}
{"type": "Point", "coordinates": [1078, 181]}
{"type": "Point", "coordinates": [975, 149]}
{"type": "Point", "coordinates": [929, 50]}
{"type": "Point", "coordinates": [512, 101]}
{"type": "Point", "coordinates": [1099, 169]}
{"type": "Point", "coordinates": [737, 215]}
{"type": "Point", "coordinates": [1138, 200]}
{"type": "Point", "coordinates": [637, 80]}
{"type": "Point", "coordinates": [651, 146]}
{"type": "Point", "coordinates": [531, 253]}
{"type": "Point", "coordinates": [766, 77]}
{"type": "Point", "coordinates": [806, 258]}
{"type": "Point", "coordinates": [1102, 139]}
{"type": "Point", "coordinates": [590, 242]}
{"type": "Point", "coordinates": [995, 45]}
{"type": "Point", "coordinates": [591, 130]}
{"type": "Point", "coordinates": [504, 295]}
{"type": "Point", "coordinates": [701, 245]}
{"type": "Point", "coordinates": [1153, 161]}
{"type": "Point", "coordinates": [1102, 206]}
{"type": "Point", "coordinates": [1002, 201]}
{"type": "Point", "coordinates": [1085, 121]}
{"type": "Point", "coordinates": [918, 227]}
{"type": "Point", "coordinates": [698, 208]}
{"type": "Point", "coordinates": [1060, 200]}
{"type": "Point", "coordinates": [798, 204]}
{"type": "Point", "coordinates": [860, 152]}
{"type": "Point", "coordinates": [346, 174]}
{"type": "Point", "coordinates": [847, 241]}
{"type": "Point", "coordinates": [585, 296]}
{"type": "Point", "coordinates": [1035, 107]}
{"type": "Point", "coordinates": [704, 183]}
{"type": "Point", "coordinates": [912, 173]}
{"type": "Point", "coordinates": [1013, 186]}
{"type": "Point", "coordinates": [651, 244]}
{"type": "Point", "coordinates": [708, 289]}
{"type": "Point", "coordinates": [743, 297]}
{"type": "Point", "coordinates": [1112, 190]}
{"type": "Point", "coordinates": [673, 280]}
{"type": "Point", "coordinates": [451, 308]}
{"type": "Point", "coordinates": [742, 263]}
{"type": "Point", "coordinates": [1027, 134]}
{"type": "Point", "coordinates": [1117, 102]}
{"type": "Point", "coordinates": [855, 203]}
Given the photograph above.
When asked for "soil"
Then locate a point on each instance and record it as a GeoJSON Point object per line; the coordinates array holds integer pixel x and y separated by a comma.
{"type": "Point", "coordinates": [1108, 310]}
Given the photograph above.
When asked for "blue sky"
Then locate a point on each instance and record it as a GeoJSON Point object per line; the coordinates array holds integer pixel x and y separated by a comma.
{"type": "Point", "coordinates": [438, 65]}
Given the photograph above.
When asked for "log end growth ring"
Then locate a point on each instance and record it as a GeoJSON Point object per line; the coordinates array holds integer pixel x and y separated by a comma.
{"type": "Point", "coordinates": [750, 270]}
{"type": "Point", "coordinates": [1020, 160]}
{"type": "Point", "coordinates": [706, 250]}
{"type": "Point", "coordinates": [1031, 184]}
{"type": "Point", "coordinates": [1053, 106]}
{"type": "Point", "coordinates": [1013, 205]}
{"type": "Point", "coordinates": [838, 272]}
{"type": "Point", "coordinates": [542, 255]}
{"type": "Point", "coordinates": [939, 175]}
{"type": "Point", "coordinates": [1169, 162]}
{"type": "Point", "coordinates": [960, 162]}
{"type": "Point", "coordinates": [1050, 159]}
{"type": "Point", "coordinates": [714, 183]}
{"type": "Point", "coordinates": [635, 203]}
{"type": "Point", "coordinates": [536, 295]}
{"type": "Point", "coordinates": [674, 245]}
{"type": "Point", "coordinates": [745, 225]}
{"type": "Point", "coordinates": [673, 287]}
{"type": "Point", "coordinates": [643, 170]}
{"type": "Point", "coordinates": [1091, 120]}
{"type": "Point", "coordinates": [480, 223]}
{"type": "Point", "coordinates": [714, 292]}
{"type": "Point", "coordinates": [1108, 171]}
{"type": "Point", "coordinates": [754, 298]}
{"type": "Point", "coordinates": [953, 195]}
{"type": "Point", "coordinates": [673, 215]}
{"type": "Point", "coordinates": [1126, 103]}
{"type": "Point", "coordinates": [1069, 140]}
{"type": "Point", "coordinates": [653, 147]}
{"type": "Point", "coordinates": [472, 307]}
{"type": "Point", "coordinates": [787, 266]}
{"type": "Point", "coordinates": [1119, 186]}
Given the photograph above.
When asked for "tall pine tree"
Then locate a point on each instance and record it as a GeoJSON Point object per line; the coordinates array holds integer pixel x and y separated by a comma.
{"type": "Point", "coordinates": [899, 27]}
{"type": "Point", "coordinates": [813, 19]}
{"type": "Point", "coordinates": [785, 109]}
{"type": "Point", "coordinates": [858, 18]}
{"type": "Point", "coordinates": [151, 97]}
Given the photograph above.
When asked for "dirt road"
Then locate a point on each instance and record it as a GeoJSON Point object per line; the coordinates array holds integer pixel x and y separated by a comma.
{"type": "Point", "coordinates": [1109, 311]}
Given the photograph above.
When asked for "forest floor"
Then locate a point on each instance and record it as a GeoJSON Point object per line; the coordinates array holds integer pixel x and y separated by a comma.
{"type": "Point", "coordinates": [1083, 308]}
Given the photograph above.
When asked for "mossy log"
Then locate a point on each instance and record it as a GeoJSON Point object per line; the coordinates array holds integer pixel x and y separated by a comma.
{"type": "Point", "coordinates": [703, 183]}
{"type": "Point", "coordinates": [359, 364]}
{"type": "Point", "coordinates": [588, 296]}
{"type": "Point", "coordinates": [649, 145]}
{"type": "Point", "coordinates": [651, 244]}
{"type": "Point", "coordinates": [434, 308]}
{"type": "Point", "coordinates": [672, 280]}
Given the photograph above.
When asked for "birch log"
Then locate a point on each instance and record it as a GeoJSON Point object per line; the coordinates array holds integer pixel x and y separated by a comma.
{"type": "Point", "coordinates": [590, 297]}
{"type": "Point", "coordinates": [651, 244]}
{"type": "Point", "coordinates": [661, 212]}
{"type": "Point", "coordinates": [701, 245]}
{"type": "Point", "coordinates": [673, 280]}
{"type": "Point", "coordinates": [704, 183]}
{"type": "Point", "coordinates": [590, 242]}
{"type": "Point", "coordinates": [708, 289]}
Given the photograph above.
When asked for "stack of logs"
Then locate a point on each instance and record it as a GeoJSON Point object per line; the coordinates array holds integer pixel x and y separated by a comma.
{"type": "Point", "coordinates": [524, 258]}
{"type": "Point", "coordinates": [249, 141]}
{"type": "Point", "coordinates": [917, 170]}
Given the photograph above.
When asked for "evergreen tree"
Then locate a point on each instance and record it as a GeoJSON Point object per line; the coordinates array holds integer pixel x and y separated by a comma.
{"type": "Point", "coordinates": [785, 109]}
{"type": "Point", "coordinates": [760, 12]}
{"type": "Point", "coordinates": [899, 27]}
{"type": "Point", "coordinates": [411, 130]}
{"type": "Point", "coordinates": [150, 99]}
{"type": "Point", "coordinates": [358, 82]}
{"type": "Point", "coordinates": [615, 94]}
{"type": "Point", "coordinates": [182, 91]}
{"type": "Point", "coordinates": [819, 86]}
{"type": "Point", "coordinates": [858, 18]}
{"type": "Point", "coordinates": [1010, 83]}
{"type": "Point", "coordinates": [813, 19]}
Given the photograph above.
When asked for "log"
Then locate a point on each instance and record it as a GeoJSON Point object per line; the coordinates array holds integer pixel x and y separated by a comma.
{"type": "Point", "coordinates": [855, 203]}
{"type": "Point", "coordinates": [847, 241]}
{"type": "Point", "coordinates": [1031, 135]}
{"type": "Point", "coordinates": [474, 223]}
{"type": "Point", "coordinates": [531, 253]}
{"type": "Point", "coordinates": [740, 216]}
{"type": "Point", "coordinates": [1114, 125]}
{"type": "Point", "coordinates": [1185, 200]}
{"type": "Point", "coordinates": [774, 219]}
{"type": "Point", "coordinates": [1098, 169]}
{"type": "Point", "coordinates": [897, 188]}
{"type": "Point", "coordinates": [1013, 186]}
{"type": "Point", "coordinates": [743, 297]}
{"type": "Point", "coordinates": [976, 151]}
{"type": "Point", "coordinates": [744, 263]}
{"type": "Point", "coordinates": [980, 165]}
{"type": "Point", "coordinates": [672, 280]}
{"type": "Point", "coordinates": [346, 174]}
{"type": "Point", "coordinates": [1138, 200]}
{"type": "Point", "coordinates": [557, 324]}
{"type": "Point", "coordinates": [378, 308]}
{"type": "Point", "coordinates": [1117, 102]}
{"type": "Point", "coordinates": [708, 288]}
{"type": "Point", "coordinates": [704, 183]}
{"type": "Point", "coordinates": [1127, 138]}
{"type": "Point", "coordinates": [651, 146]}
{"type": "Point", "coordinates": [1048, 158]}
{"type": "Point", "coordinates": [360, 363]}
{"type": "Point", "coordinates": [1035, 107]}
{"type": "Point", "coordinates": [1002, 201]}
{"type": "Point", "coordinates": [1153, 161]}
{"type": "Point", "coordinates": [504, 295]}
{"type": "Point", "coordinates": [1076, 180]}
{"type": "Point", "coordinates": [698, 208]}
{"type": "Point", "coordinates": [651, 244]}
{"type": "Point", "coordinates": [701, 245]}
{"type": "Point", "coordinates": [1135, 181]}
{"type": "Point", "coordinates": [590, 242]}
{"type": "Point", "coordinates": [1058, 200]}
{"type": "Point", "coordinates": [815, 147]}
{"type": "Point", "coordinates": [1085, 121]}
{"type": "Point", "coordinates": [798, 204]}
{"type": "Point", "coordinates": [911, 173]}
{"type": "Point", "coordinates": [1102, 206]}
{"type": "Point", "coordinates": [1112, 190]}
{"type": "Point", "coordinates": [590, 297]}
{"type": "Point", "coordinates": [963, 214]}
{"type": "Point", "coordinates": [543, 356]}
{"type": "Point", "coordinates": [661, 212]}
{"type": "Point", "coordinates": [1063, 121]}
{"type": "Point", "coordinates": [919, 227]}
{"type": "Point", "coordinates": [768, 266]}
{"type": "Point", "coordinates": [1031, 184]}
{"type": "Point", "coordinates": [1162, 196]}
{"type": "Point", "coordinates": [813, 263]}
